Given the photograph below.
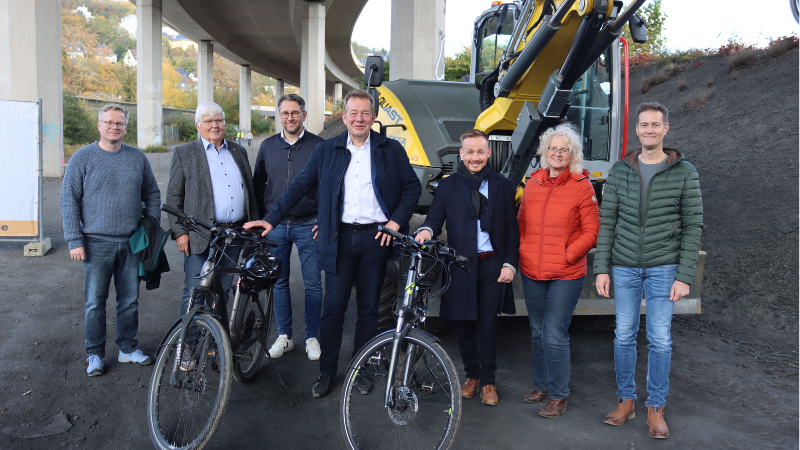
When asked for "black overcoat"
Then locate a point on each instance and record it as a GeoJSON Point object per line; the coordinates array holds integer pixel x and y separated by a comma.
{"type": "Point", "coordinates": [452, 203]}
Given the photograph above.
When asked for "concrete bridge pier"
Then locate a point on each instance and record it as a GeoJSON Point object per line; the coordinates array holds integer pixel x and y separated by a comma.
{"type": "Point", "coordinates": [244, 98]}
{"type": "Point", "coordinates": [312, 64]}
{"type": "Point", "coordinates": [148, 73]}
{"type": "Point", "coordinates": [417, 38]}
{"type": "Point", "coordinates": [30, 68]}
{"type": "Point", "coordinates": [205, 72]}
{"type": "Point", "coordinates": [337, 92]}
{"type": "Point", "coordinates": [279, 91]}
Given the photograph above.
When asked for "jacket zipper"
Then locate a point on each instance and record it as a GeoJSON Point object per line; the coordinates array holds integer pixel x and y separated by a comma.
{"type": "Point", "coordinates": [289, 166]}
{"type": "Point", "coordinates": [643, 219]}
{"type": "Point", "coordinates": [541, 239]}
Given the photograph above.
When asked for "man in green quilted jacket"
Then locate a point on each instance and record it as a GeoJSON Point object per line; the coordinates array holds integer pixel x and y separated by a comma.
{"type": "Point", "coordinates": [651, 219]}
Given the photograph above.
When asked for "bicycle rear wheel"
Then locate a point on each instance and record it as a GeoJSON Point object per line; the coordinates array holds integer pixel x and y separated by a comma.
{"type": "Point", "coordinates": [426, 412]}
{"type": "Point", "coordinates": [252, 326]}
{"type": "Point", "coordinates": [185, 414]}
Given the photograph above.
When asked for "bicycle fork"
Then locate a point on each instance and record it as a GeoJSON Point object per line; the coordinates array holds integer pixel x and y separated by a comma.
{"type": "Point", "coordinates": [400, 332]}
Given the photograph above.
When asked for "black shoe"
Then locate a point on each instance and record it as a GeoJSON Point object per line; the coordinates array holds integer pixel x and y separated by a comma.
{"type": "Point", "coordinates": [362, 385]}
{"type": "Point", "coordinates": [322, 387]}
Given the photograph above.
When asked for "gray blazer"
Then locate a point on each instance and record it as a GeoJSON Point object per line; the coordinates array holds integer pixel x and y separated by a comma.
{"type": "Point", "coordinates": [190, 191]}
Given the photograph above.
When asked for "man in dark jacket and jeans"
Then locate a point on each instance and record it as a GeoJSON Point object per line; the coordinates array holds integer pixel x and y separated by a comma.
{"type": "Point", "coordinates": [280, 158]}
{"type": "Point", "coordinates": [364, 180]}
{"type": "Point", "coordinates": [651, 219]}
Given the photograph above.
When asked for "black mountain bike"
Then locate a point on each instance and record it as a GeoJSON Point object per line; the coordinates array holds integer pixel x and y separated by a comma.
{"type": "Point", "coordinates": [191, 380]}
{"type": "Point", "coordinates": [416, 403]}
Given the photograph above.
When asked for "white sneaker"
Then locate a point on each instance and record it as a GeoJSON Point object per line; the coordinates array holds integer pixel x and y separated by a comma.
{"type": "Point", "coordinates": [95, 366]}
{"type": "Point", "coordinates": [136, 357]}
{"type": "Point", "coordinates": [282, 345]}
{"type": "Point", "coordinates": [312, 348]}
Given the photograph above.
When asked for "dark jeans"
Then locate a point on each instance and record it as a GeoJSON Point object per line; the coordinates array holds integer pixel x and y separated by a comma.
{"type": "Point", "coordinates": [104, 260]}
{"type": "Point", "coordinates": [360, 258]}
{"type": "Point", "coordinates": [550, 306]}
{"type": "Point", "coordinates": [477, 340]}
{"type": "Point", "coordinates": [192, 265]}
{"type": "Point", "coordinates": [301, 235]}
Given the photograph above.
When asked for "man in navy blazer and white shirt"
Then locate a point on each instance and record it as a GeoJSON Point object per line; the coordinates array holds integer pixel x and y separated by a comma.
{"type": "Point", "coordinates": [364, 180]}
{"type": "Point", "coordinates": [478, 204]}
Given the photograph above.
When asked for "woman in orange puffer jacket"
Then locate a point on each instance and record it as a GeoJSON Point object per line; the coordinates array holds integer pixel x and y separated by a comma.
{"type": "Point", "coordinates": [558, 224]}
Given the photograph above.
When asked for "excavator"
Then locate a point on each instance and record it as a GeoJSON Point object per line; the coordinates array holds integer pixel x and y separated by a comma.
{"type": "Point", "coordinates": [534, 64]}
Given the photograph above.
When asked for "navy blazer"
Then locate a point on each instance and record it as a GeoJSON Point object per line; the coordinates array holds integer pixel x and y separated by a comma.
{"type": "Point", "coordinates": [396, 186]}
{"type": "Point", "coordinates": [453, 203]}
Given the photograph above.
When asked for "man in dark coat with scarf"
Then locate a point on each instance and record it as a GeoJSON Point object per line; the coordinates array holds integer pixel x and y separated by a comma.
{"type": "Point", "coordinates": [478, 205]}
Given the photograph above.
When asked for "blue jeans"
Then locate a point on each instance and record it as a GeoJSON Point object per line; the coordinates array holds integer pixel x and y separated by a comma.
{"type": "Point", "coordinates": [104, 260]}
{"type": "Point", "coordinates": [302, 236]}
{"type": "Point", "coordinates": [630, 284]}
{"type": "Point", "coordinates": [550, 306]}
{"type": "Point", "coordinates": [192, 265]}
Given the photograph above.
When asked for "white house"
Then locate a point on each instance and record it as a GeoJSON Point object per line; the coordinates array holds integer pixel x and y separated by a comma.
{"type": "Point", "coordinates": [105, 52]}
{"type": "Point", "coordinates": [130, 59]}
{"type": "Point", "coordinates": [128, 23]}
{"type": "Point", "coordinates": [75, 49]}
{"type": "Point", "coordinates": [84, 11]}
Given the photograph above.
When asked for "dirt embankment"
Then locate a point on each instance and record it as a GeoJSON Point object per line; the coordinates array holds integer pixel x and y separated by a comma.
{"type": "Point", "coordinates": [744, 143]}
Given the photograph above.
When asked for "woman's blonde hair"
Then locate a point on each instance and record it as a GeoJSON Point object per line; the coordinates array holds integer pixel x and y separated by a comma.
{"type": "Point", "coordinates": [573, 139]}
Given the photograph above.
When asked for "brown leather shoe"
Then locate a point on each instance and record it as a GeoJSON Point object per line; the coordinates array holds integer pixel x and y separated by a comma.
{"type": "Point", "coordinates": [469, 388]}
{"type": "Point", "coordinates": [655, 420]}
{"type": "Point", "coordinates": [489, 395]}
{"type": "Point", "coordinates": [536, 396]}
{"type": "Point", "coordinates": [624, 411]}
{"type": "Point", "coordinates": [553, 409]}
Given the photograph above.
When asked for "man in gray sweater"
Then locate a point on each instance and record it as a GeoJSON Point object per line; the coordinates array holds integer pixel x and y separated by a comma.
{"type": "Point", "coordinates": [104, 188]}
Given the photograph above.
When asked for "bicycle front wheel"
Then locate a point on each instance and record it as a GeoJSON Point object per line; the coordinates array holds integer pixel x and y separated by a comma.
{"type": "Point", "coordinates": [183, 412]}
{"type": "Point", "coordinates": [252, 326]}
{"type": "Point", "coordinates": [426, 409]}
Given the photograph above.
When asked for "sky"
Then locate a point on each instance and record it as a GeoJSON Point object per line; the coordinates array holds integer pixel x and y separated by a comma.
{"type": "Point", "coordinates": [689, 24]}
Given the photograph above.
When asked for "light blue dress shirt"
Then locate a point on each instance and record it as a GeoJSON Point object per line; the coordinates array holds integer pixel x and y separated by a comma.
{"type": "Point", "coordinates": [226, 183]}
{"type": "Point", "coordinates": [484, 244]}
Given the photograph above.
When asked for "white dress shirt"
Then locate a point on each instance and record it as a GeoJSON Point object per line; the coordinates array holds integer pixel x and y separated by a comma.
{"type": "Point", "coordinates": [283, 136]}
{"type": "Point", "coordinates": [360, 203]}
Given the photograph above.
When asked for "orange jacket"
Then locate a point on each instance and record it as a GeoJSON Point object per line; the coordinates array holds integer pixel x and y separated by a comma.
{"type": "Point", "coordinates": [558, 224]}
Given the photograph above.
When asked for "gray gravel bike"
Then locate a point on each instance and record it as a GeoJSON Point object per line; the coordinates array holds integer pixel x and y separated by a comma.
{"type": "Point", "coordinates": [191, 380]}
{"type": "Point", "coordinates": [416, 400]}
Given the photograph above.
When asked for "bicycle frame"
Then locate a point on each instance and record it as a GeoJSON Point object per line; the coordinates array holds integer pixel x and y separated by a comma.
{"type": "Point", "coordinates": [209, 284]}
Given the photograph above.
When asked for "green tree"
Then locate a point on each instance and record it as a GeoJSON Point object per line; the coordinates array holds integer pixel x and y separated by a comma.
{"type": "Point", "coordinates": [655, 18]}
{"type": "Point", "coordinates": [457, 66]}
{"type": "Point", "coordinates": [80, 126]}
{"type": "Point", "coordinates": [109, 32]}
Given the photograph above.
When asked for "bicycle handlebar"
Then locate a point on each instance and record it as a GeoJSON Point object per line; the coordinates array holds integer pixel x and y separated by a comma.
{"type": "Point", "coordinates": [408, 240]}
{"type": "Point", "coordinates": [214, 229]}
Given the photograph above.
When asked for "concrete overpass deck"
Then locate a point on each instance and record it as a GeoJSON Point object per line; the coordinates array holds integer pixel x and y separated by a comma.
{"type": "Point", "coordinates": [266, 34]}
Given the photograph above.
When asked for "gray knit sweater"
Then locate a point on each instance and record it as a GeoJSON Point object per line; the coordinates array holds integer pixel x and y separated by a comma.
{"type": "Point", "coordinates": [103, 192]}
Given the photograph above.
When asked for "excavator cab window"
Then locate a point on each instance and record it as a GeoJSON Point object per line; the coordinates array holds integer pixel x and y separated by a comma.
{"type": "Point", "coordinates": [491, 39]}
{"type": "Point", "coordinates": [591, 109]}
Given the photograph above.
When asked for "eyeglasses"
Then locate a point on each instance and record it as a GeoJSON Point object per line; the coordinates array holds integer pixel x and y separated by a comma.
{"type": "Point", "coordinates": [364, 114]}
{"type": "Point", "coordinates": [558, 150]}
{"type": "Point", "coordinates": [208, 123]}
{"type": "Point", "coordinates": [294, 114]}
{"type": "Point", "coordinates": [110, 124]}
